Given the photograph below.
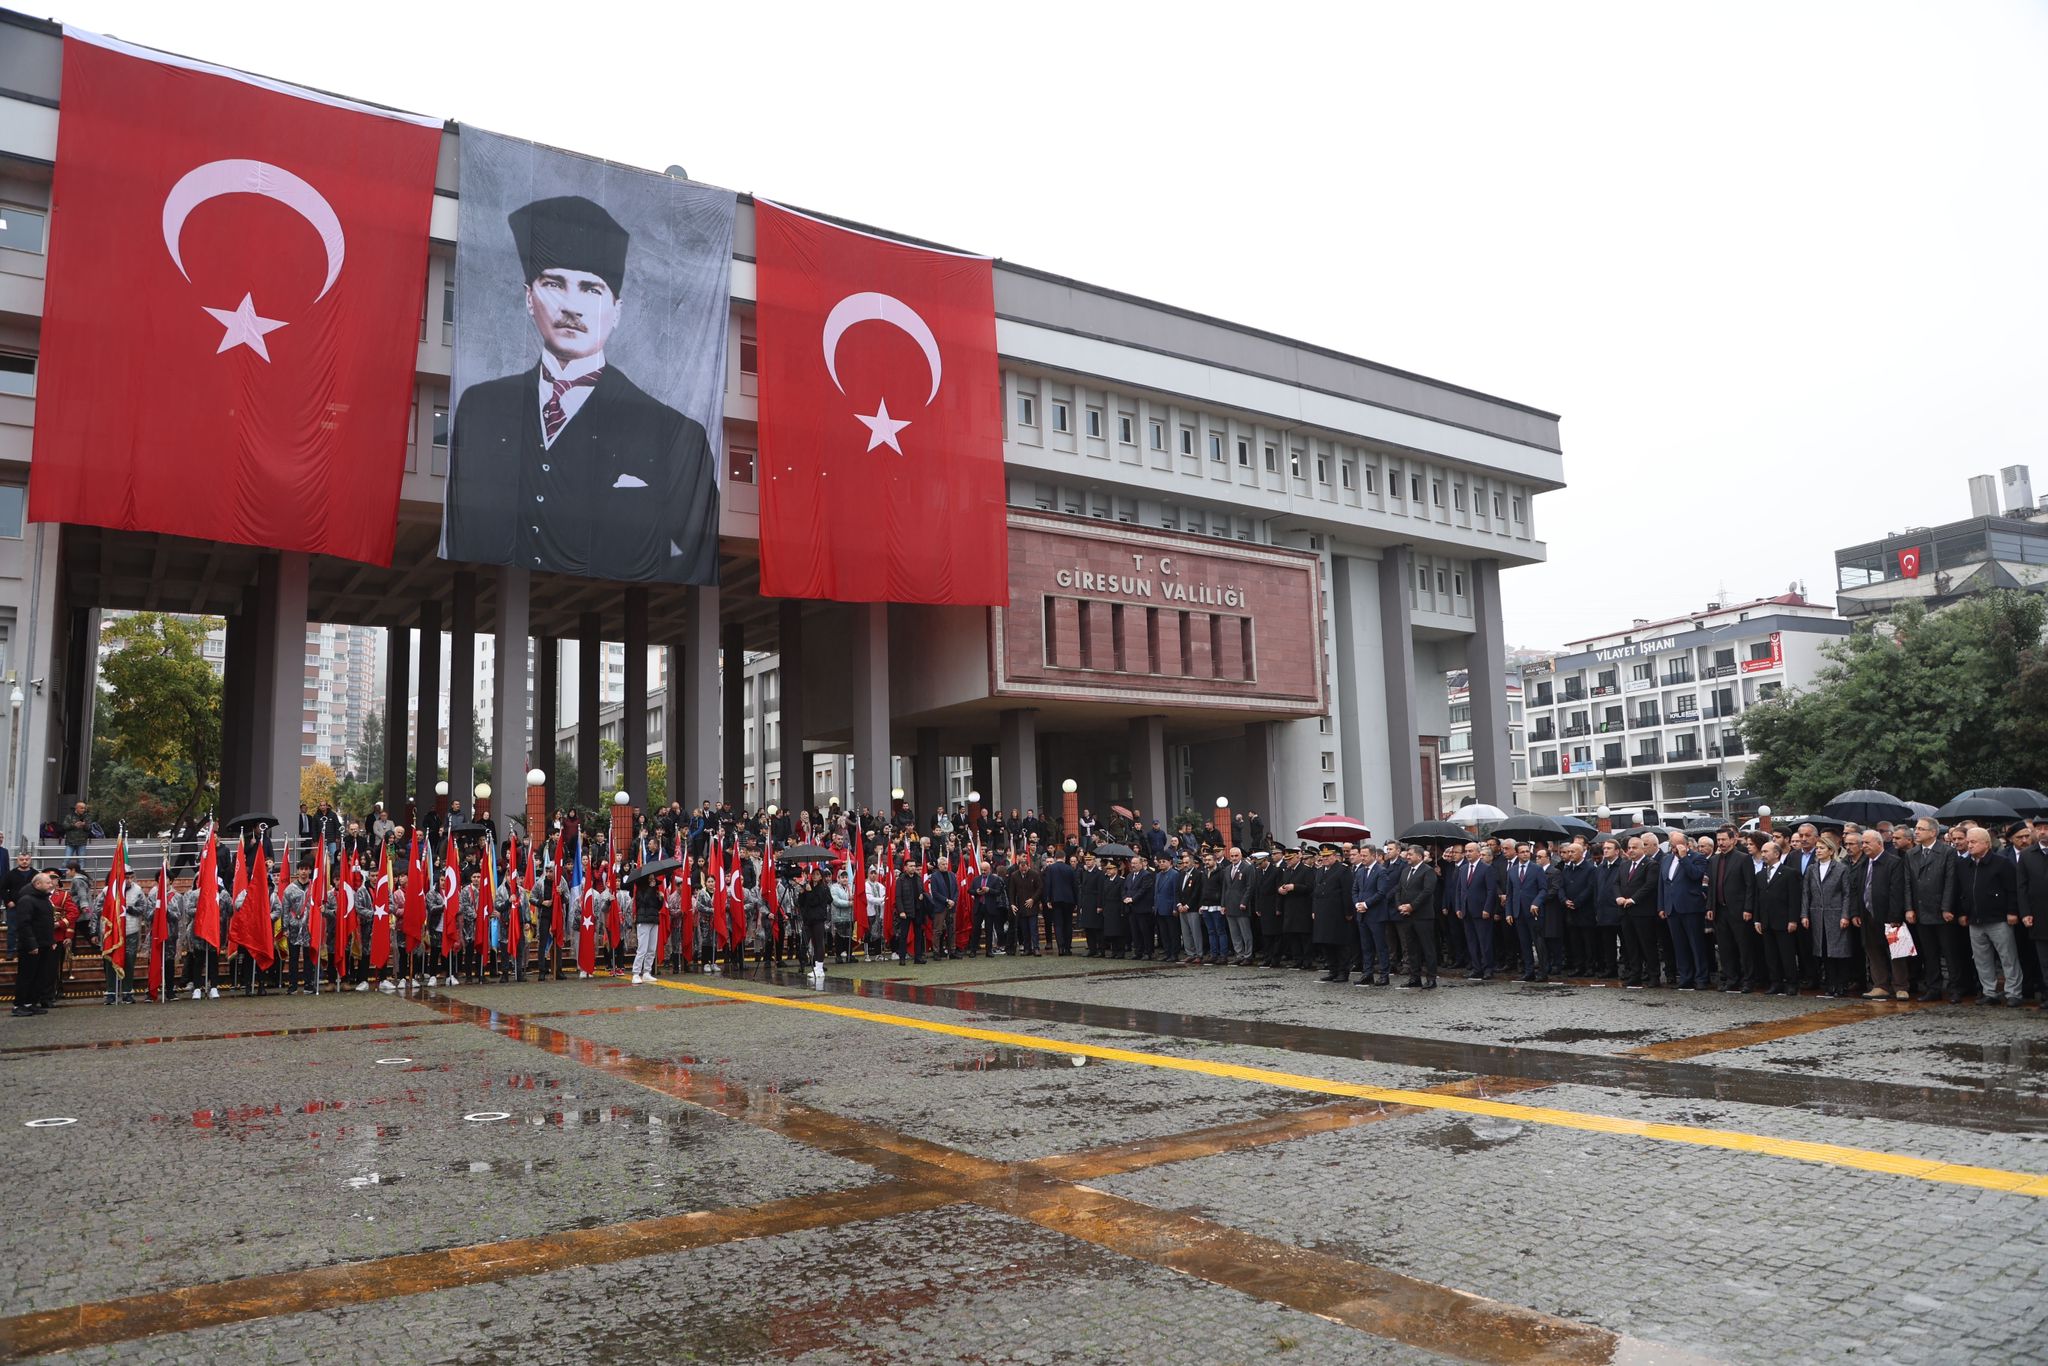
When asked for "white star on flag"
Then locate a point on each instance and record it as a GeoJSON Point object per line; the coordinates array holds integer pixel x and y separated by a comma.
{"type": "Point", "coordinates": [244, 327]}
{"type": "Point", "coordinates": [882, 428]}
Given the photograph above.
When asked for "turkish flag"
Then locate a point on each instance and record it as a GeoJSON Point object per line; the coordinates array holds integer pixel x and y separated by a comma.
{"type": "Point", "coordinates": [881, 418]}
{"type": "Point", "coordinates": [234, 294]}
{"type": "Point", "coordinates": [1909, 563]}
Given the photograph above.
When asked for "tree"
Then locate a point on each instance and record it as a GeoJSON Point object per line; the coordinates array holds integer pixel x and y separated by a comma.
{"type": "Point", "coordinates": [657, 784]}
{"type": "Point", "coordinates": [565, 778]}
{"type": "Point", "coordinates": [611, 757]}
{"type": "Point", "coordinates": [480, 750]}
{"type": "Point", "coordinates": [1921, 705]}
{"type": "Point", "coordinates": [156, 743]}
{"type": "Point", "coordinates": [317, 784]}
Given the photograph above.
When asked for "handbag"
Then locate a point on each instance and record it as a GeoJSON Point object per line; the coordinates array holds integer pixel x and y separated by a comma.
{"type": "Point", "coordinates": [1901, 940]}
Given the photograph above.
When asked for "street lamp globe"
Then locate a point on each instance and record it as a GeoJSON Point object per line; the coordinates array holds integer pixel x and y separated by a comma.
{"type": "Point", "coordinates": [440, 789]}
{"type": "Point", "coordinates": [974, 799]}
{"type": "Point", "coordinates": [483, 792]}
{"type": "Point", "coordinates": [1070, 786]}
{"type": "Point", "coordinates": [536, 778]}
{"type": "Point", "coordinates": [896, 793]}
{"type": "Point", "coordinates": [1763, 811]}
{"type": "Point", "coordinates": [622, 798]}
{"type": "Point", "coordinates": [1222, 802]}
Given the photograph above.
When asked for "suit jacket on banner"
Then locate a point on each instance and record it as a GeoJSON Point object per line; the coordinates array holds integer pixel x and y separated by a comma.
{"type": "Point", "coordinates": [881, 462]}
{"type": "Point", "coordinates": [235, 282]}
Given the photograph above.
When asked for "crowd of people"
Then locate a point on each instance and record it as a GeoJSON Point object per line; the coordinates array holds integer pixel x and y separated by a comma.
{"type": "Point", "coordinates": [1896, 913]}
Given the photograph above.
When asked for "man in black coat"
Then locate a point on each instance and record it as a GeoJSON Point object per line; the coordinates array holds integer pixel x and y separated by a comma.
{"type": "Point", "coordinates": [1944, 956]}
{"type": "Point", "coordinates": [2031, 889]}
{"type": "Point", "coordinates": [1635, 891]}
{"type": "Point", "coordinates": [35, 940]}
{"type": "Point", "coordinates": [1415, 902]}
{"type": "Point", "coordinates": [1297, 907]}
{"type": "Point", "coordinates": [568, 465]}
{"type": "Point", "coordinates": [1987, 905]}
{"type": "Point", "coordinates": [1883, 896]}
{"type": "Point", "coordinates": [1731, 907]}
{"type": "Point", "coordinates": [1336, 930]}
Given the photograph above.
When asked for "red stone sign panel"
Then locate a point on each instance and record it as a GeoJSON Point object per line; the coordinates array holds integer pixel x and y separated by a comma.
{"type": "Point", "coordinates": [1107, 612]}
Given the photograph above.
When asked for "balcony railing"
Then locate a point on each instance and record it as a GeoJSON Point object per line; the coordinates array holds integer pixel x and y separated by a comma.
{"type": "Point", "coordinates": [1608, 761]}
{"type": "Point", "coordinates": [1543, 733]}
{"type": "Point", "coordinates": [1673, 680]}
{"type": "Point", "coordinates": [1574, 694]}
{"type": "Point", "coordinates": [1543, 699]}
{"type": "Point", "coordinates": [1673, 718]}
{"type": "Point", "coordinates": [1549, 771]}
{"type": "Point", "coordinates": [1570, 731]}
{"type": "Point", "coordinates": [1643, 718]}
{"type": "Point", "coordinates": [1722, 670]}
{"type": "Point", "coordinates": [1638, 760]}
{"type": "Point", "coordinates": [1607, 690]}
{"type": "Point", "coordinates": [1609, 727]}
{"type": "Point", "coordinates": [1683, 756]}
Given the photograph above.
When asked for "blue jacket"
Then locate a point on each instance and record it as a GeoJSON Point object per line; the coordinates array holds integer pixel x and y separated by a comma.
{"type": "Point", "coordinates": [944, 891]}
{"type": "Point", "coordinates": [1155, 841]}
{"type": "Point", "coordinates": [1525, 884]}
{"type": "Point", "coordinates": [1605, 875]}
{"type": "Point", "coordinates": [1375, 886]}
{"type": "Point", "coordinates": [1686, 893]}
{"type": "Point", "coordinates": [1059, 883]}
{"type": "Point", "coordinates": [1138, 887]}
{"type": "Point", "coordinates": [1166, 892]}
{"type": "Point", "coordinates": [1579, 883]}
{"type": "Point", "coordinates": [1468, 888]}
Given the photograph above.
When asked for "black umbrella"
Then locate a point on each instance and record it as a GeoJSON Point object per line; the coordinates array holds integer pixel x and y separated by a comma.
{"type": "Point", "coordinates": [1703, 827]}
{"type": "Point", "coordinates": [806, 853]}
{"type": "Point", "coordinates": [654, 869]}
{"type": "Point", "coordinates": [1530, 826]}
{"type": "Point", "coordinates": [1866, 806]}
{"type": "Point", "coordinates": [1968, 808]}
{"type": "Point", "coordinates": [2024, 801]}
{"type": "Point", "coordinates": [1635, 831]}
{"type": "Point", "coordinates": [1433, 832]}
{"type": "Point", "coordinates": [1574, 826]}
{"type": "Point", "coordinates": [1921, 810]}
{"type": "Point", "coordinates": [249, 821]}
{"type": "Point", "coordinates": [1817, 822]}
{"type": "Point", "coordinates": [1115, 851]}
{"type": "Point", "coordinates": [471, 828]}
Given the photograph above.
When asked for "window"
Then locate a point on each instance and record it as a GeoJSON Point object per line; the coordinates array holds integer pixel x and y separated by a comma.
{"type": "Point", "coordinates": [440, 427]}
{"type": "Point", "coordinates": [1422, 579]}
{"type": "Point", "coordinates": [739, 465]}
{"type": "Point", "coordinates": [1496, 505]}
{"type": "Point", "coordinates": [1329, 762]}
{"type": "Point", "coordinates": [1095, 423]}
{"type": "Point", "coordinates": [1027, 411]}
{"type": "Point", "coordinates": [17, 374]}
{"type": "Point", "coordinates": [1518, 507]}
{"type": "Point", "coordinates": [1458, 584]}
{"type": "Point", "coordinates": [1348, 471]}
{"type": "Point", "coordinates": [13, 502]}
{"type": "Point", "coordinates": [1436, 492]}
{"type": "Point", "coordinates": [1159, 436]}
{"type": "Point", "coordinates": [1415, 488]}
{"type": "Point", "coordinates": [1461, 715]}
{"type": "Point", "coordinates": [1329, 794]}
{"type": "Point", "coordinates": [1323, 724]}
{"type": "Point", "coordinates": [1272, 458]}
{"type": "Point", "coordinates": [1244, 454]}
{"type": "Point", "coordinates": [1394, 483]}
{"type": "Point", "coordinates": [1760, 649]}
{"type": "Point", "coordinates": [1372, 479]}
{"type": "Point", "coordinates": [1439, 580]}
{"type": "Point", "coordinates": [21, 229]}
{"type": "Point", "coordinates": [750, 356]}
{"type": "Point", "coordinates": [1216, 447]}
{"type": "Point", "coordinates": [1059, 417]}
{"type": "Point", "coordinates": [1123, 429]}
{"type": "Point", "coordinates": [1294, 461]}
{"type": "Point", "coordinates": [1322, 469]}
{"type": "Point", "coordinates": [1641, 673]}
{"type": "Point", "coordinates": [1458, 497]}
{"type": "Point", "coordinates": [1187, 441]}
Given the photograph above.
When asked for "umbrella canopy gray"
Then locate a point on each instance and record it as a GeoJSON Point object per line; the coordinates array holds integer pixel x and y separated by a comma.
{"type": "Point", "coordinates": [2024, 801]}
{"type": "Point", "coordinates": [1576, 827]}
{"type": "Point", "coordinates": [1115, 851]}
{"type": "Point", "coordinates": [1969, 808]}
{"type": "Point", "coordinates": [1477, 813]}
{"type": "Point", "coordinates": [1866, 806]}
{"type": "Point", "coordinates": [1433, 832]}
{"type": "Point", "coordinates": [654, 869]}
{"type": "Point", "coordinates": [249, 821]}
{"type": "Point", "coordinates": [805, 853]}
{"type": "Point", "coordinates": [1530, 827]}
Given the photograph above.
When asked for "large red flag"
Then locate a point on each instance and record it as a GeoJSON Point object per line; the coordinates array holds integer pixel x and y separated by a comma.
{"type": "Point", "coordinates": [113, 911]}
{"type": "Point", "coordinates": [416, 888]}
{"type": "Point", "coordinates": [881, 416]}
{"type": "Point", "coordinates": [206, 919]}
{"type": "Point", "coordinates": [859, 888]}
{"type": "Point", "coordinates": [159, 932]}
{"type": "Point", "coordinates": [348, 896]}
{"type": "Point", "coordinates": [250, 930]}
{"type": "Point", "coordinates": [316, 908]}
{"type": "Point", "coordinates": [586, 931]}
{"type": "Point", "coordinates": [715, 870]}
{"type": "Point", "coordinates": [380, 914]}
{"type": "Point", "coordinates": [235, 281]}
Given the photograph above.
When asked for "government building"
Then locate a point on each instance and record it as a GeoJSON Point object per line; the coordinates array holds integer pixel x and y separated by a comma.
{"type": "Point", "coordinates": [1240, 566]}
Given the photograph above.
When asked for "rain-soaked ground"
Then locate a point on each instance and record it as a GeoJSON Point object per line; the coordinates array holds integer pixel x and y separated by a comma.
{"type": "Point", "coordinates": [1027, 1160]}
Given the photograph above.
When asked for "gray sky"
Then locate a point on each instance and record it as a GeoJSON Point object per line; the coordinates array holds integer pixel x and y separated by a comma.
{"type": "Point", "coordinates": [1779, 266]}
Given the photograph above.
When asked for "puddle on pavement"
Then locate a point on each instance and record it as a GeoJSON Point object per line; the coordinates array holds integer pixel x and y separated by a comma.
{"type": "Point", "coordinates": [1471, 1136]}
{"type": "Point", "coordinates": [2016, 1055]}
{"type": "Point", "coordinates": [1016, 1059]}
{"type": "Point", "coordinates": [1585, 1036]}
{"type": "Point", "coordinates": [503, 1166]}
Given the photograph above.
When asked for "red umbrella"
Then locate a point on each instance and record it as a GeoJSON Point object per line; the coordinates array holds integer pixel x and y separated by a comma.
{"type": "Point", "coordinates": [1332, 829]}
{"type": "Point", "coordinates": [1122, 811]}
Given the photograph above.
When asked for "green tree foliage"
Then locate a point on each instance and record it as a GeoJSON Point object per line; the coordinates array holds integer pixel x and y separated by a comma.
{"type": "Point", "coordinates": [657, 784]}
{"type": "Point", "coordinates": [1921, 705]}
{"type": "Point", "coordinates": [565, 777]}
{"type": "Point", "coordinates": [156, 738]}
{"type": "Point", "coordinates": [611, 759]}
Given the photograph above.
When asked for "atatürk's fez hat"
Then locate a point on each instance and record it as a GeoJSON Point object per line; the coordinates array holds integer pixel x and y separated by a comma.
{"type": "Point", "coordinates": [570, 232]}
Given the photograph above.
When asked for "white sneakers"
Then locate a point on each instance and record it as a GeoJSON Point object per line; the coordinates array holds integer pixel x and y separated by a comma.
{"type": "Point", "coordinates": [196, 993]}
{"type": "Point", "coordinates": [432, 980]}
{"type": "Point", "coordinates": [636, 979]}
{"type": "Point", "coordinates": [362, 986]}
{"type": "Point", "coordinates": [213, 993]}
{"type": "Point", "coordinates": [387, 985]}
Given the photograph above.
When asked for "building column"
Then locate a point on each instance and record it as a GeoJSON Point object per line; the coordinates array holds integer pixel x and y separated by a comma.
{"type": "Point", "coordinates": [1257, 797]}
{"type": "Point", "coordinates": [509, 748]}
{"type": "Point", "coordinates": [755, 698]}
{"type": "Point", "coordinates": [547, 713]}
{"type": "Point", "coordinates": [427, 747]}
{"type": "Point", "coordinates": [633, 722]}
{"type": "Point", "coordinates": [1486, 665]}
{"type": "Point", "coordinates": [672, 722]}
{"type": "Point", "coordinates": [1017, 740]}
{"type": "Point", "coordinates": [462, 693]}
{"type": "Point", "coordinates": [1147, 747]}
{"type": "Point", "coordinates": [589, 703]}
{"type": "Point", "coordinates": [870, 705]}
{"type": "Point", "coordinates": [1397, 665]}
{"type": "Point", "coordinates": [81, 688]}
{"type": "Point", "coordinates": [789, 692]}
{"type": "Point", "coordinates": [397, 674]}
{"type": "Point", "coordinates": [927, 776]}
{"type": "Point", "coordinates": [697, 740]}
{"type": "Point", "coordinates": [283, 624]}
{"type": "Point", "coordinates": [982, 767]}
{"type": "Point", "coordinates": [732, 661]}
{"type": "Point", "coordinates": [237, 704]}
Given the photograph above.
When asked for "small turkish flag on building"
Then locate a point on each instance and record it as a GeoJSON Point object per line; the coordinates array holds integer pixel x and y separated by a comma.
{"type": "Point", "coordinates": [232, 314]}
{"type": "Point", "coordinates": [1909, 563]}
{"type": "Point", "coordinates": [881, 418]}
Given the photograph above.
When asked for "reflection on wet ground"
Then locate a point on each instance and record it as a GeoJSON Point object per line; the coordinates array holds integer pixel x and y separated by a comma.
{"type": "Point", "coordinates": [1996, 1112]}
{"type": "Point", "coordinates": [1017, 1059]}
{"type": "Point", "coordinates": [102, 1045]}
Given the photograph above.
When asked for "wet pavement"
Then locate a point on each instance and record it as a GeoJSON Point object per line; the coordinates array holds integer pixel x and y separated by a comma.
{"type": "Point", "coordinates": [1124, 1173]}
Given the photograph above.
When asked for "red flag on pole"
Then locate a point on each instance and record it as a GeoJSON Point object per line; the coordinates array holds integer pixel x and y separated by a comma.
{"type": "Point", "coordinates": [316, 914]}
{"type": "Point", "coordinates": [348, 908]}
{"type": "Point", "coordinates": [963, 907]}
{"type": "Point", "coordinates": [249, 930]}
{"type": "Point", "coordinates": [159, 931]}
{"type": "Point", "coordinates": [487, 896]}
{"type": "Point", "coordinates": [716, 872]}
{"type": "Point", "coordinates": [235, 277]}
{"type": "Point", "coordinates": [859, 889]}
{"type": "Point", "coordinates": [451, 903]}
{"type": "Point", "coordinates": [736, 895]}
{"type": "Point", "coordinates": [555, 910]}
{"type": "Point", "coordinates": [380, 914]}
{"type": "Point", "coordinates": [610, 874]}
{"type": "Point", "coordinates": [586, 931]}
{"type": "Point", "coordinates": [206, 920]}
{"type": "Point", "coordinates": [416, 896]}
{"type": "Point", "coordinates": [882, 474]}
{"type": "Point", "coordinates": [113, 911]}
{"type": "Point", "coordinates": [889, 893]}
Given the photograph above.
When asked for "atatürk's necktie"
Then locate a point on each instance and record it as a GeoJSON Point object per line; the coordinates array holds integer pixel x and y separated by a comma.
{"type": "Point", "coordinates": [552, 414]}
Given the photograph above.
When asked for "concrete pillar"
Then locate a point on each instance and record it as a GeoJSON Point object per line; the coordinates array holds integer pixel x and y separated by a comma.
{"type": "Point", "coordinates": [698, 738]}
{"type": "Point", "coordinates": [589, 703]}
{"type": "Point", "coordinates": [80, 682]}
{"type": "Point", "coordinates": [1486, 662]}
{"type": "Point", "coordinates": [1397, 665]}
{"type": "Point", "coordinates": [509, 748]}
{"type": "Point", "coordinates": [1257, 797]}
{"type": "Point", "coordinates": [982, 761]}
{"type": "Point", "coordinates": [427, 747]}
{"type": "Point", "coordinates": [755, 699]}
{"type": "Point", "coordinates": [870, 663]}
{"type": "Point", "coordinates": [547, 713]}
{"type": "Point", "coordinates": [283, 625]}
{"type": "Point", "coordinates": [672, 723]}
{"type": "Point", "coordinates": [1017, 738]}
{"type": "Point", "coordinates": [927, 777]}
{"type": "Point", "coordinates": [633, 725]}
{"type": "Point", "coordinates": [397, 677]}
{"type": "Point", "coordinates": [462, 693]}
{"type": "Point", "coordinates": [796, 764]}
{"type": "Point", "coordinates": [732, 663]}
{"type": "Point", "coordinates": [237, 704]}
{"type": "Point", "coordinates": [1149, 790]}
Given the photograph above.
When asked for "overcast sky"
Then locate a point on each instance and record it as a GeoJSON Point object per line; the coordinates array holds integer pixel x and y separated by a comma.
{"type": "Point", "coordinates": [1779, 266]}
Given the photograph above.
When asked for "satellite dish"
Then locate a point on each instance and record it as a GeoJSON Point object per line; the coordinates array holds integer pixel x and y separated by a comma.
{"type": "Point", "coordinates": [675, 172]}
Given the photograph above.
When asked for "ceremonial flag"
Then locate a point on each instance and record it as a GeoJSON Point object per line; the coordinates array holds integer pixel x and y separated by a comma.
{"type": "Point", "coordinates": [689, 907]}
{"type": "Point", "coordinates": [159, 930]}
{"type": "Point", "coordinates": [451, 902]}
{"type": "Point", "coordinates": [555, 891]}
{"type": "Point", "coordinates": [963, 906]}
{"type": "Point", "coordinates": [380, 914]}
{"type": "Point", "coordinates": [113, 912]}
{"type": "Point", "coordinates": [250, 930]}
{"type": "Point", "coordinates": [487, 896]}
{"type": "Point", "coordinates": [1909, 563]}
{"type": "Point", "coordinates": [859, 888]}
{"type": "Point", "coordinates": [206, 920]}
{"type": "Point", "coordinates": [768, 897]}
{"type": "Point", "coordinates": [316, 913]}
{"type": "Point", "coordinates": [522, 902]}
{"type": "Point", "coordinates": [416, 899]}
{"type": "Point", "coordinates": [347, 910]}
{"type": "Point", "coordinates": [586, 918]}
{"type": "Point", "coordinates": [736, 894]}
{"type": "Point", "coordinates": [716, 871]}
{"type": "Point", "coordinates": [889, 893]}
{"type": "Point", "coordinates": [234, 290]}
{"type": "Point", "coordinates": [881, 417]}
{"type": "Point", "coordinates": [608, 875]}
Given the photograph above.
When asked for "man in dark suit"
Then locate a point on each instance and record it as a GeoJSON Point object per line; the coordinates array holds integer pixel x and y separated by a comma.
{"type": "Point", "coordinates": [1682, 902]}
{"type": "Point", "coordinates": [1884, 898]}
{"type": "Point", "coordinates": [1987, 905]}
{"type": "Point", "coordinates": [1944, 958]}
{"type": "Point", "coordinates": [1470, 890]}
{"type": "Point", "coordinates": [1731, 910]}
{"type": "Point", "coordinates": [1525, 886]}
{"type": "Point", "coordinates": [1415, 903]}
{"type": "Point", "coordinates": [1777, 917]}
{"type": "Point", "coordinates": [1636, 891]}
{"type": "Point", "coordinates": [2031, 890]}
{"type": "Point", "coordinates": [568, 465]}
{"type": "Point", "coordinates": [1578, 888]}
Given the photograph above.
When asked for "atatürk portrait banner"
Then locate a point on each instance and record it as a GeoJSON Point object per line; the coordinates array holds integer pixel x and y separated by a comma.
{"type": "Point", "coordinates": [591, 304]}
